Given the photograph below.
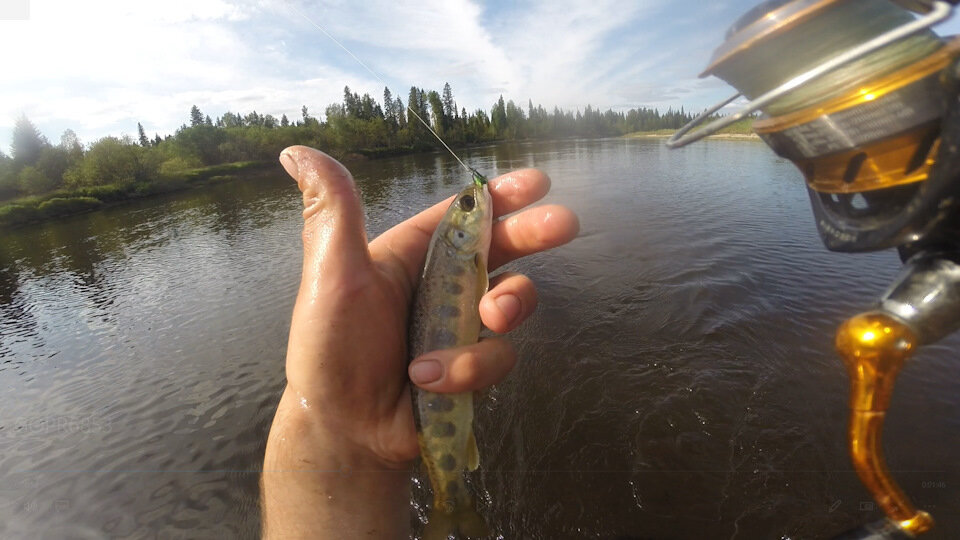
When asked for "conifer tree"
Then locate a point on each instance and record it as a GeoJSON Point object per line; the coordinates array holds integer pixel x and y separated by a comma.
{"type": "Point", "coordinates": [498, 117]}
{"type": "Point", "coordinates": [388, 108]}
{"type": "Point", "coordinates": [196, 117]}
{"type": "Point", "coordinates": [437, 112]}
{"type": "Point", "coordinates": [416, 106]}
{"type": "Point", "coordinates": [144, 141]}
{"type": "Point", "coordinates": [449, 108]}
{"type": "Point", "coordinates": [401, 113]}
{"type": "Point", "coordinates": [27, 141]}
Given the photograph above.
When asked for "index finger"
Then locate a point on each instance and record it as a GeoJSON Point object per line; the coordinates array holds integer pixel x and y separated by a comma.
{"type": "Point", "coordinates": [407, 242]}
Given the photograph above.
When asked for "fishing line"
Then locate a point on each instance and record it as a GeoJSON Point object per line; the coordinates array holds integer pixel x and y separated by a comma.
{"type": "Point", "coordinates": [366, 67]}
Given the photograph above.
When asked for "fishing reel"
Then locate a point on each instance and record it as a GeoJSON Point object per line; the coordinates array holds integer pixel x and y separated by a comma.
{"type": "Point", "coordinates": [865, 100]}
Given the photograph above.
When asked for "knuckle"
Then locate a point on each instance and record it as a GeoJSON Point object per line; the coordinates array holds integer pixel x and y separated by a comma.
{"type": "Point", "coordinates": [312, 205]}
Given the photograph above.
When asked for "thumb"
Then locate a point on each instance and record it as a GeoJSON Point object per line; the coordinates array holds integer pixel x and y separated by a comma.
{"type": "Point", "coordinates": [334, 240]}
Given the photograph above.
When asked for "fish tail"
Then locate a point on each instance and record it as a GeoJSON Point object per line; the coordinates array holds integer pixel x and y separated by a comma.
{"type": "Point", "coordinates": [464, 519]}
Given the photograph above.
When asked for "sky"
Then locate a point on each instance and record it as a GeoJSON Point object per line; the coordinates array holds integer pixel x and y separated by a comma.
{"type": "Point", "coordinates": [101, 67]}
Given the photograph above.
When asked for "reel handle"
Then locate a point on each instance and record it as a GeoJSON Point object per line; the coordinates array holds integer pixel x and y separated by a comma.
{"type": "Point", "coordinates": [878, 530]}
{"type": "Point", "coordinates": [940, 11]}
{"type": "Point", "coordinates": [874, 346]}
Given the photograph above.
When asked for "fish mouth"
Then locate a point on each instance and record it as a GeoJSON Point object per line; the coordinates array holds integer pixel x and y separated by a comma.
{"type": "Point", "coordinates": [478, 179]}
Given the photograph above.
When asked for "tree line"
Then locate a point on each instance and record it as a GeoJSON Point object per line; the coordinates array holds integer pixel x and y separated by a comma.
{"type": "Point", "coordinates": [359, 124]}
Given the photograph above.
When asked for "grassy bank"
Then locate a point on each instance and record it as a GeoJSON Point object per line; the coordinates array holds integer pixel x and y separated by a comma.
{"type": "Point", "coordinates": [64, 202]}
{"type": "Point", "coordinates": [741, 129]}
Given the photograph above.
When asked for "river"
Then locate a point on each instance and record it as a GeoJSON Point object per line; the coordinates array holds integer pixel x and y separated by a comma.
{"type": "Point", "coordinates": [677, 381]}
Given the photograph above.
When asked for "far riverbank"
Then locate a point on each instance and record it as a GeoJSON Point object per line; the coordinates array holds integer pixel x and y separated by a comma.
{"type": "Point", "coordinates": [741, 130]}
{"type": "Point", "coordinates": [660, 134]}
{"type": "Point", "coordinates": [66, 202]}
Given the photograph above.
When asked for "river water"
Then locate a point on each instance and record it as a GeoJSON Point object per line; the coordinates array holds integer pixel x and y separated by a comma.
{"type": "Point", "coordinates": [677, 381]}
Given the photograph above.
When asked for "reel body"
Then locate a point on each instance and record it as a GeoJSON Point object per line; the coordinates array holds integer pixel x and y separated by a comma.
{"type": "Point", "coordinates": [854, 93]}
{"type": "Point", "coordinates": [865, 100]}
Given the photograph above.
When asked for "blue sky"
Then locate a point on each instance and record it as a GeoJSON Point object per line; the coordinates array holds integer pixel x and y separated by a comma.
{"type": "Point", "coordinates": [101, 67]}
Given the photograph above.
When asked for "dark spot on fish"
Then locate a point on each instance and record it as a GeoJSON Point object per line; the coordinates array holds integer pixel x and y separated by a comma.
{"type": "Point", "coordinates": [447, 462]}
{"type": "Point", "coordinates": [445, 505]}
{"type": "Point", "coordinates": [448, 312]}
{"type": "Point", "coordinates": [440, 403]}
{"type": "Point", "coordinates": [453, 487]}
{"type": "Point", "coordinates": [457, 270]}
{"type": "Point", "coordinates": [444, 338]}
{"type": "Point", "coordinates": [444, 429]}
{"type": "Point", "coordinates": [454, 288]}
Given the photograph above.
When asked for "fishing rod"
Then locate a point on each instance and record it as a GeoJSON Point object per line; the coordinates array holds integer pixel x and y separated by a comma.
{"type": "Point", "coordinates": [865, 100]}
{"type": "Point", "coordinates": [477, 177]}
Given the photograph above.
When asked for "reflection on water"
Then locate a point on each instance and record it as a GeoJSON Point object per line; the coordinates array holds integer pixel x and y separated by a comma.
{"type": "Point", "coordinates": [678, 380]}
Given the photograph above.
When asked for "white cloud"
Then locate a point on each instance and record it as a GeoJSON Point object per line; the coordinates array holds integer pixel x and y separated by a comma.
{"type": "Point", "coordinates": [417, 43]}
{"type": "Point", "coordinates": [565, 49]}
{"type": "Point", "coordinates": [100, 67]}
{"type": "Point", "coordinates": [92, 65]}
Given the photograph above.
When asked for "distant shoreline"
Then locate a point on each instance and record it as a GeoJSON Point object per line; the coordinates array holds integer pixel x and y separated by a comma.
{"type": "Point", "coordinates": [719, 136]}
{"type": "Point", "coordinates": [25, 211]}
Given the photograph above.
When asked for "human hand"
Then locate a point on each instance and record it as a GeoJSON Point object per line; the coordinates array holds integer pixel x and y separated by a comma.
{"type": "Point", "coordinates": [347, 402]}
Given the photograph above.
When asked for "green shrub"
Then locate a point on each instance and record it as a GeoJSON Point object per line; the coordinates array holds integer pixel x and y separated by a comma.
{"type": "Point", "coordinates": [17, 214]}
{"type": "Point", "coordinates": [59, 206]}
{"type": "Point", "coordinates": [161, 186]}
{"type": "Point", "coordinates": [227, 168]}
{"type": "Point", "coordinates": [33, 181]}
{"type": "Point", "coordinates": [105, 193]}
{"type": "Point", "coordinates": [178, 165]}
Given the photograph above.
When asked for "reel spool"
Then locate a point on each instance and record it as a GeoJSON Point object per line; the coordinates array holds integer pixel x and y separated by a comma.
{"type": "Point", "coordinates": [852, 93]}
{"type": "Point", "coordinates": [865, 100]}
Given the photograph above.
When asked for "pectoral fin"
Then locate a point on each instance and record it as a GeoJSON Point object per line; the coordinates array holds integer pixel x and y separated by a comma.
{"type": "Point", "coordinates": [483, 281]}
{"type": "Point", "coordinates": [473, 455]}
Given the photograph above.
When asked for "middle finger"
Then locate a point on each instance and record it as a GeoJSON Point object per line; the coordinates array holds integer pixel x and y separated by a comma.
{"type": "Point", "coordinates": [535, 229]}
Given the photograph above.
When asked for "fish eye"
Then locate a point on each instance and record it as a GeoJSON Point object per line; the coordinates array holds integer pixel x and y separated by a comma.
{"type": "Point", "coordinates": [467, 203]}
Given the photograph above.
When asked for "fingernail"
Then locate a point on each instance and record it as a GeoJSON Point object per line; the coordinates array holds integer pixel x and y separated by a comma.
{"type": "Point", "coordinates": [425, 371]}
{"type": "Point", "coordinates": [289, 164]}
{"type": "Point", "coordinates": [509, 305]}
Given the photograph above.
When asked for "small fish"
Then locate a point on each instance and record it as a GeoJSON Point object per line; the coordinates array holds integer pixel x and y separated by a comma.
{"type": "Point", "coordinates": [445, 315]}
